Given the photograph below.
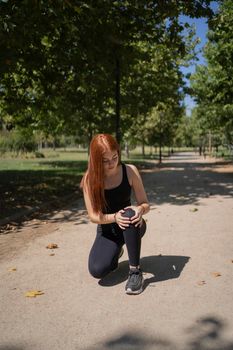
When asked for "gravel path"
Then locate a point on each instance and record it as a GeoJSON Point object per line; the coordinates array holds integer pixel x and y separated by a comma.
{"type": "Point", "coordinates": [187, 258]}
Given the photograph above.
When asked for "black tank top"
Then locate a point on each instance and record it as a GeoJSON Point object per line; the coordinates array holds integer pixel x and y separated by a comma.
{"type": "Point", "coordinates": [118, 197]}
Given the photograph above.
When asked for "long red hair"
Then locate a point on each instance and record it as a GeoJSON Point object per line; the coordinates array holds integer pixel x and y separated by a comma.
{"type": "Point", "coordinates": [93, 180]}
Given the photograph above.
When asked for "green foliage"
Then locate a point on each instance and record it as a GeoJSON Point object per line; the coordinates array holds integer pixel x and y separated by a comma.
{"type": "Point", "coordinates": [18, 141]}
{"type": "Point", "coordinates": [39, 154]}
{"type": "Point", "coordinates": [58, 61]}
{"type": "Point", "coordinates": [185, 133]}
{"type": "Point", "coordinates": [212, 85]}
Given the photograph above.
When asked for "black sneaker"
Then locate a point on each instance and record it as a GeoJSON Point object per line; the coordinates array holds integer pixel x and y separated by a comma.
{"type": "Point", "coordinates": [135, 282]}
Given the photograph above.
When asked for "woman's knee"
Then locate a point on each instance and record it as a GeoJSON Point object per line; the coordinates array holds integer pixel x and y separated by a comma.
{"type": "Point", "coordinates": [129, 213]}
{"type": "Point", "coordinates": [96, 270]}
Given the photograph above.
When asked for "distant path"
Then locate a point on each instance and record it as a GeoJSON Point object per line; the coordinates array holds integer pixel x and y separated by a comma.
{"type": "Point", "coordinates": [184, 178]}
{"type": "Point", "coordinates": [187, 259]}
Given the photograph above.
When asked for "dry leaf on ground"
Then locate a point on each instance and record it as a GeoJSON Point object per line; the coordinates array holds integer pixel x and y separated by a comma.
{"type": "Point", "coordinates": [200, 283]}
{"type": "Point", "coordinates": [193, 210]}
{"type": "Point", "coordinates": [216, 274]}
{"type": "Point", "coordinates": [12, 269]}
{"type": "Point", "coordinates": [52, 246]}
{"type": "Point", "coordinates": [33, 293]}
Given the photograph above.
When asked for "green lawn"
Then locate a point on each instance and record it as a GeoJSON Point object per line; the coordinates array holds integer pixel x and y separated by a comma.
{"type": "Point", "coordinates": [29, 182]}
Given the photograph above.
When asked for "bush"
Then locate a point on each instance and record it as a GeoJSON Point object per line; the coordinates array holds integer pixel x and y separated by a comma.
{"type": "Point", "coordinates": [39, 154]}
{"type": "Point", "coordinates": [19, 141]}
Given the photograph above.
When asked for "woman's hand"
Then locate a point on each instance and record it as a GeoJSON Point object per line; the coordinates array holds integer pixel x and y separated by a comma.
{"type": "Point", "coordinates": [122, 221]}
{"type": "Point", "coordinates": [136, 220]}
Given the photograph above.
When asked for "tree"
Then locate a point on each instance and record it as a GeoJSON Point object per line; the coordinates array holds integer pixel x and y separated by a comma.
{"type": "Point", "coordinates": [212, 85]}
{"type": "Point", "coordinates": [61, 58]}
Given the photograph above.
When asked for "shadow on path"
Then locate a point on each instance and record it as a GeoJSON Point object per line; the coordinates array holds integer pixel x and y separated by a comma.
{"type": "Point", "coordinates": [206, 333]}
{"type": "Point", "coordinates": [162, 267]}
{"type": "Point", "coordinates": [180, 180]}
{"type": "Point", "coordinates": [12, 347]}
{"type": "Point", "coordinates": [181, 183]}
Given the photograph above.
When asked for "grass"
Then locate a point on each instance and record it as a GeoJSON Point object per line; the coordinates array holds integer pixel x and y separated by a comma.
{"type": "Point", "coordinates": [224, 153]}
{"type": "Point", "coordinates": [28, 182]}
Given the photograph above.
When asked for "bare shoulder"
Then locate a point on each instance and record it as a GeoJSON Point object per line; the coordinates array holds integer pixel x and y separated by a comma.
{"type": "Point", "coordinates": [132, 172]}
{"type": "Point", "coordinates": [131, 168]}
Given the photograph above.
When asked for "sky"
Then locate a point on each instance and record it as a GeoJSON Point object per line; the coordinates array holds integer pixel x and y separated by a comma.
{"type": "Point", "coordinates": [201, 31]}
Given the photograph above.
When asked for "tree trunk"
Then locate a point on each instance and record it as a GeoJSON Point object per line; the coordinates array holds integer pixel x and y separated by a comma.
{"type": "Point", "coordinates": [160, 153]}
{"type": "Point", "coordinates": [160, 139]}
{"type": "Point", "coordinates": [160, 147]}
{"type": "Point", "coordinates": [143, 148]}
{"type": "Point", "coordinates": [210, 142]}
{"type": "Point", "coordinates": [127, 149]}
{"type": "Point", "coordinates": [117, 97]}
{"type": "Point", "coordinates": [90, 135]}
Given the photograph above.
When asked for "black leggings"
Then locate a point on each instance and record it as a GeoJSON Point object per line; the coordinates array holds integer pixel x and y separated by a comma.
{"type": "Point", "coordinates": [109, 240]}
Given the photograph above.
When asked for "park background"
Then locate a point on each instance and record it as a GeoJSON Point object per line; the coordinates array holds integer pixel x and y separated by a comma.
{"type": "Point", "coordinates": [137, 70]}
{"type": "Point", "coordinates": [157, 77]}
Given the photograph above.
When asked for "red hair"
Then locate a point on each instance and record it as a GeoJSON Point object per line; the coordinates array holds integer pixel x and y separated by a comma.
{"type": "Point", "coordinates": [93, 179]}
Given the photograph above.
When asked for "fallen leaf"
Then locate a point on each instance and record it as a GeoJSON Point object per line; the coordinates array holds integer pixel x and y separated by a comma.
{"type": "Point", "coordinates": [41, 186]}
{"type": "Point", "coordinates": [216, 274]}
{"type": "Point", "coordinates": [51, 254]}
{"type": "Point", "coordinates": [52, 246]}
{"type": "Point", "coordinates": [33, 293]}
{"type": "Point", "coordinates": [12, 269]}
{"type": "Point", "coordinates": [200, 283]}
{"type": "Point", "coordinates": [193, 210]}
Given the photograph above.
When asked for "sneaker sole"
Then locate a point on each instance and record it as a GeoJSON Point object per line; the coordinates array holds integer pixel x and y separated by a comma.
{"type": "Point", "coordinates": [135, 292]}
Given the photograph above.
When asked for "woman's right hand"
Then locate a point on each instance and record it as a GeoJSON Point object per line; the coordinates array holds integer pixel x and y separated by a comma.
{"type": "Point", "coordinates": [122, 221]}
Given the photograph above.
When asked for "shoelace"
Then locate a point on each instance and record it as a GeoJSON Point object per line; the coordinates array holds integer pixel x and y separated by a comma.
{"type": "Point", "coordinates": [133, 274]}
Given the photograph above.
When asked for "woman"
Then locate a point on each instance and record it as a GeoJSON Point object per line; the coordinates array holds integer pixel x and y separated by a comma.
{"type": "Point", "coordinates": [107, 186]}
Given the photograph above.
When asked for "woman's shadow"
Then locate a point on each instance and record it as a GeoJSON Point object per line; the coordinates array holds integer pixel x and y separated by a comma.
{"type": "Point", "coordinates": [162, 267]}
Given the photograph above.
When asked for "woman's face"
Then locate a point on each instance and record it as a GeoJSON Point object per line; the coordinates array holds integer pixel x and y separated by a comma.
{"type": "Point", "coordinates": [110, 161]}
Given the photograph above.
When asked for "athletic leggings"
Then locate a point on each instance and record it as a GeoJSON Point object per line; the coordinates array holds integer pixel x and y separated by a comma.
{"type": "Point", "coordinates": [109, 240]}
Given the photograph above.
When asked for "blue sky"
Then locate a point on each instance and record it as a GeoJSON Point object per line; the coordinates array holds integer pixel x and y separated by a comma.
{"type": "Point", "coordinates": [201, 31]}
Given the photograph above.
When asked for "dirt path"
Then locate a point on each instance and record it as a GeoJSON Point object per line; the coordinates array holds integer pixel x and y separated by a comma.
{"type": "Point", "coordinates": [187, 257]}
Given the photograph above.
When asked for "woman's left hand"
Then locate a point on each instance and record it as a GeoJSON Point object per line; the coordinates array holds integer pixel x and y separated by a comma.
{"type": "Point", "coordinates": [137, 218]}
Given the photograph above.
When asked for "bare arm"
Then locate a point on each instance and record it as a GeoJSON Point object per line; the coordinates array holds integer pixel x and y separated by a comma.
{"type": "Point", "coordinates": [143, 206]}
{"type": "Point", "coordinates": [100, 218]}
{"type": "Point", "coordinates": [141, 198]}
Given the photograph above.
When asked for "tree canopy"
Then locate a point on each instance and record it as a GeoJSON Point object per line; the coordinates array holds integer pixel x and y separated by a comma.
{"type": "Point", "coordinates": [59, 59]}
{"type": "Point", "coordinates": [212, 84]}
